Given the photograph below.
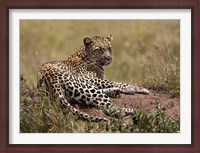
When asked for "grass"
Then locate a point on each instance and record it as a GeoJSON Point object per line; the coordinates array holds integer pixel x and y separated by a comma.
{"type": "Point", "coordinates": [39, 115]}
{"type": "Point", "coordinates": [146, 52]}
{"type": "Point", "coordinates": [168, 79]}
{"type": "Point", "coordinates": [134, 42]}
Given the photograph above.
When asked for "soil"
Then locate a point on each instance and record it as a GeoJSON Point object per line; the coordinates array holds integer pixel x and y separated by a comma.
{"type": "Point", "coordinates": [147, 103]}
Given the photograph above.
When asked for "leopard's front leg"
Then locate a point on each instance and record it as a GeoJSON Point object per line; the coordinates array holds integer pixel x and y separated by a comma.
{"type": "Point", "coordinates": [112, 92]}
{"type": "Point", "coordinates": [109, 87]}
{"type": "Point", "coordinates": [115, 91]}
{"type": "Point", "coordinates": [129, 89]}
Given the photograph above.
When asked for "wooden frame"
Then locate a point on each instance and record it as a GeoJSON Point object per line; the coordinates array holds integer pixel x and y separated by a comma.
{"type": "Point", "coordinates": [89, 4]}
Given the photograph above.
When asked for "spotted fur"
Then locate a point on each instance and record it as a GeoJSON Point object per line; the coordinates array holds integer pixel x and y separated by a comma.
{"type": "Point", "coordinates": [80, 78]}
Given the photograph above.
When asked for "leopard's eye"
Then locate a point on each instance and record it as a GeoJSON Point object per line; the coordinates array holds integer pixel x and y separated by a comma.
{"type": "Point", "coordinates": [98, 50]}
{"type": "Point", "coordinates": [101, 50]}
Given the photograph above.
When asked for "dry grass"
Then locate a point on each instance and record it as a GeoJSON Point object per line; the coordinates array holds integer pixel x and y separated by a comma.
{"type": "Point", "coordinates": [135, 43]}
{"type": "Point", "coordinates": [145, 52]}
{"type": "Point", "coordinates": [40, 115]}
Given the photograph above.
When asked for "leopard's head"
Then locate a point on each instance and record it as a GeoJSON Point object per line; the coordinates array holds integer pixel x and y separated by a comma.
{"type": "Point", "coordinates": [98, 50]}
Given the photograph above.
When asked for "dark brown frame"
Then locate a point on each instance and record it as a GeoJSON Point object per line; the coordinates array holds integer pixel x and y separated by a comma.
{"type": "Point", "coordinates": [5, 5]}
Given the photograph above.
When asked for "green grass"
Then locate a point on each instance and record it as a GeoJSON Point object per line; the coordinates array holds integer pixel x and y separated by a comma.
{"type": "Point", "coordinates": [145, 52]}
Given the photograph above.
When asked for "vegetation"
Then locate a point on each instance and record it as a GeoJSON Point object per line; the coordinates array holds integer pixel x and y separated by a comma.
{"type": "Point", "coordinates": [169, 81]}
{"type": "Point", "coordinates": [136, 43]}
{"type": "Point", "coordinates": [39, 114]}
{"type": "Point", "coordinates": [145, 52]}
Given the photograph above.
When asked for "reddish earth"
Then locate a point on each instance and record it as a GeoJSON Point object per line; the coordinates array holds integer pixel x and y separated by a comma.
{"type": "Point", "coordinates": [147, 103]}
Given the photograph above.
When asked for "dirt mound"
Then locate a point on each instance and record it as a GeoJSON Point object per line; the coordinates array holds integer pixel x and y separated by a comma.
{"type": "Point", "coordinates": [147, 103]}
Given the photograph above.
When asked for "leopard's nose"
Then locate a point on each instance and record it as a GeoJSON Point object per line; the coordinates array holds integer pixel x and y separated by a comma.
{"type": "Point", "coordinates": [109, 58]}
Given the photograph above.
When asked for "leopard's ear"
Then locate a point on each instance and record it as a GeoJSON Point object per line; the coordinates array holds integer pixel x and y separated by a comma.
{"type": "Point", "coordinates": [110, 38]}
{"type": "Point", "coordinates": [87, 41]}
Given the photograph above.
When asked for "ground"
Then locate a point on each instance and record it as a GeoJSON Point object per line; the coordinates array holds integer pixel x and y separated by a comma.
{"type": "Point", "coordinates": [147, 103]}
{"type": "Point", "coordinates": [40, 115]}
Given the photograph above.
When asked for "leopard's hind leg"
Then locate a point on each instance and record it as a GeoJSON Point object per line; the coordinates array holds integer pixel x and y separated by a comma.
{"type": "Point", "coordinates": [97, 98]}
{"type": "Point", "coordinates": [75, 111]}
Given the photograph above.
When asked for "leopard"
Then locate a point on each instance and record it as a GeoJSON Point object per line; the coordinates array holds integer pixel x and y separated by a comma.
{"type": "Point", "coordinates": [81, 79]}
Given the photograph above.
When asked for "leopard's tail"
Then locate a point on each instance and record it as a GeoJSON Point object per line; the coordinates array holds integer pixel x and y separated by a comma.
{"type": "Point", "coordinates": [117, 112]}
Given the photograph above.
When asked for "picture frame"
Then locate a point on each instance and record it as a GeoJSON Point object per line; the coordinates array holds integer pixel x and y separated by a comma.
{"type": "Point", "coordinates": [89, 4]}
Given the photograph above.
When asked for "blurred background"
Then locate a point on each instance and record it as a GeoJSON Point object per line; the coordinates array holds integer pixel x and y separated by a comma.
{"type": "Point", "coordinates": [136, 45]}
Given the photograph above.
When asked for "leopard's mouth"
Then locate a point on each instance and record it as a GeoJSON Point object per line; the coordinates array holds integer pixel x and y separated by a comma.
{"type": "Point", "coordinates": [108, 62]}
{"type": "Point", "coordinates": [104, 62]}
